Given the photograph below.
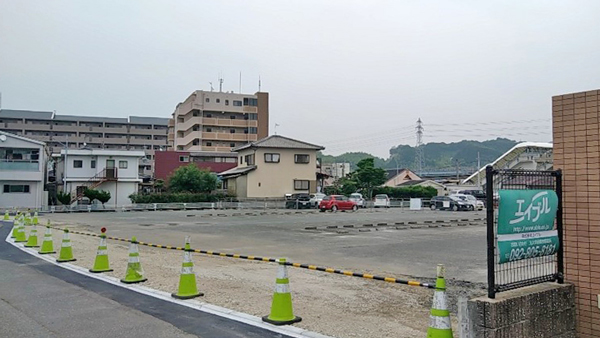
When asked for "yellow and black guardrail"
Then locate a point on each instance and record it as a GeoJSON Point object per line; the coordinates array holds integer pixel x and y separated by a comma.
{"type": "Point", "coordinates": [267, 259]}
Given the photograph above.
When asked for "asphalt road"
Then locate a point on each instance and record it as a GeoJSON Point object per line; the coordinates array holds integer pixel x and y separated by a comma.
{"type": "Point", "coordinates": [38, 299]}
{"type": "Point", "coordinates": [382, 249]}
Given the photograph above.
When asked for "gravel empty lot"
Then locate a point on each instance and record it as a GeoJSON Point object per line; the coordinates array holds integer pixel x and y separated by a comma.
{"type": "Point", "coordinates": [396, 243]}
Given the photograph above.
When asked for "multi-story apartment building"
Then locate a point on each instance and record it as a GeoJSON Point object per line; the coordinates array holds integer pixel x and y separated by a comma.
{"type": "Point", "coordinates": [219, 121]}
{"type": "Point", "coordinates": [128, 133]}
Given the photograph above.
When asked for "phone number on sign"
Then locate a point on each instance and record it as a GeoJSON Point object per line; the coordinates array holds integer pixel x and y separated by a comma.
{"type": "Point", "coordinates": [532, 252]}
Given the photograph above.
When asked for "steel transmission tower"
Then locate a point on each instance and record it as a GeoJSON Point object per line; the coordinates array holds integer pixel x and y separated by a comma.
{"type": "Point", "coordinates": [419, 156]}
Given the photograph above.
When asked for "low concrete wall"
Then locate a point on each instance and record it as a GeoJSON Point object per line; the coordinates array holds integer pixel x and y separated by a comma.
{"type": "Point", "coordinates": [540, 311]}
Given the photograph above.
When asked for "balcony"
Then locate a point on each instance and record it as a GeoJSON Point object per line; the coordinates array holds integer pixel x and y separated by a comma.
{"type": "Point", "coordinates": [19, 165]}
{"type": "Point", "coordinates": [229, 136]}
{"type": "Point", "coordinates": [229, 122]}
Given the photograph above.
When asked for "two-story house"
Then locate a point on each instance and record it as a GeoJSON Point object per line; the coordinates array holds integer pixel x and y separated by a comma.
{"type": "Point", "coordinates": [272, 167]}
{"type": "Point", "coordinates": [115, 171]}
{"type": "Point", "coordinates": [22, 171]}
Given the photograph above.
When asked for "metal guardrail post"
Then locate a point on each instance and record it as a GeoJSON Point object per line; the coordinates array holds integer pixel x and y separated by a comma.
{"type": "Point", "coordinates": [559, 227]}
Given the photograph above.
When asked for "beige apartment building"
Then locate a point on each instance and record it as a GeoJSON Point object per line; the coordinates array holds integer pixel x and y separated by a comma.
{"type": "Point", "coordinates": [127, 133]}
{"type": "Point", "coordinates": [218, 121]}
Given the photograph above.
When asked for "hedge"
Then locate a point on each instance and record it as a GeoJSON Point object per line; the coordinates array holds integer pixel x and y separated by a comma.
{"type": "Point", "coordinates": [177, 198]}
{"type": "Point", "coordinates": [406, 192]}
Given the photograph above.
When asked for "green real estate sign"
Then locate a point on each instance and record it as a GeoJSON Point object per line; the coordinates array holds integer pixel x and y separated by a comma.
{"type": "Point", "coordinates": [526, 224]}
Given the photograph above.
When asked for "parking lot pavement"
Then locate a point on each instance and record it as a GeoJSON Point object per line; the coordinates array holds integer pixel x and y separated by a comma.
{"type": "Point", "coordinates": [374, 243]}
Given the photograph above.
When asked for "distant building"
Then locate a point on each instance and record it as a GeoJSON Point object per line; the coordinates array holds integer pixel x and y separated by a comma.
{"type": "Point", "coordinates": [168, 161]}
{"type": "Point", "coordinates": [336, 170]}
{"type": "Point", "coordinates": [525, 156]}
{"type": "Point", "coordinates": [272, 167]}
{"type": "Point", "coordinates": [218, 121]}
{"type": "Point", "coordinates": [441, 189]}
{"type": "Point", "coordinates": [396, 177]}
{"type": "Point", "coordinates": [22, 172]}
{"type": "Point", "coordinates": [115, 171]}
{"type": "Point", "coordinates": [128, 133]}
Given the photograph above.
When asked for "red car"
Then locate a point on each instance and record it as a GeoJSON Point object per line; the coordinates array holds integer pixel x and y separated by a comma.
{"type": "Point", "coordinates": [337, 202]}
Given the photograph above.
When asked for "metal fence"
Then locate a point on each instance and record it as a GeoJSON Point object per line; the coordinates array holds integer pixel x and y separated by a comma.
{"type": "Point", "coordinates": [517, 274]}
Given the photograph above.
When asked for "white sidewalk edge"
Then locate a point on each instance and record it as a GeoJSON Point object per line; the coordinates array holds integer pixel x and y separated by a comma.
{"type": "Point", "coordinates": [241, 317]}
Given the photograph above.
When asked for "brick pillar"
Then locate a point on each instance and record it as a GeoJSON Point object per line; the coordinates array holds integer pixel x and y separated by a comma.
{"type": "Point", "coordinates": [576, 152]}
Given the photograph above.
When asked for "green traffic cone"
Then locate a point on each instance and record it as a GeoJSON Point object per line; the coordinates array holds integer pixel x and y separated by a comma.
{"type": "Point", "coordinates": [6, 216]}
{"type": "Point", "coordinates": [35, 218]}
{"type": "Point", "coordinates": [101, 262]}
{"type": "Point", "coordinates": [439, 320]}
{"type": "Point", "coordinates": [134, 273]}
{"type": "Point", "coordinates": [32, 241]}
{"type": "Point", "coordinates": [281, 308]}
{"type": "Point", "coordinates": [20, 236]}
{"type": "Point", "coordinates": [47, 244]}
{"type": "Point", "coordinates": [187, 278]}
{"type": "Point", "coordinates": [66, 252]}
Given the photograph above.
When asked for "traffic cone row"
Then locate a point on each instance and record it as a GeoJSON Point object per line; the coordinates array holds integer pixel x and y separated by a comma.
{"type": "Point", "coordinates": [32, 240]}
{"type": "Point", "coordinates": [281, 307]}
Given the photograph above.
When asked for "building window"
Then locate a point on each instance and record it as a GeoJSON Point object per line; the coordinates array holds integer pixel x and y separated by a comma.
{"type": "Point", "coordinates": [232, 117]}
{"type": "Point", "coordinates": [196, 113]}
{"type": "Point", "coordinates": [272, 158]}
{"type": "Point", "coordinates": [11, 188]}
{"type": "Point", "coordinates": [249, 159]}
{"type": "Point", "coordinates": [208, 130]}
{"type": "Point", "coordinates": [218, 100]}
{"type": "Point", "coordinates": [78, 164]}
{"type": "Point", "coordinates": [301, 158]}
{"type": "Point", "coordinates": [251, 116]}
{"type": "Point", "coordinates": [232, 145]}
{"type": "Point", "coordinates": [232, 131]}
{"type": "Point", "coordinates": [241, 160]}
{"type": "Point", "coordinates": [196, 127]}
{"type": "Point", "coordinates": [237, 103]}
{"type": "Point", "coordinates": [196, 142]}
{"type": "Point", "coordinates": [301, 184]}
{"type": "Point", "coordinates": [207, 100]}
{"type": "Point", "coordinates": [252, 130]}
{"type": "Point", "coordinates": [184, 158]}
{"type": "Point", "coordinates": [226, 102]}
{"type": "Point", "coordinates": [122, 164]}
{"type": "Point", "coordinates": [209, 144]}
{"type": "Point", "coordinates": [93, 164]}
{"type": "Point", "coordinates": [208, 115]}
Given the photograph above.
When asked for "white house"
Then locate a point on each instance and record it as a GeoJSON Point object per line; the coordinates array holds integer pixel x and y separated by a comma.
{"type": "Point", "coordinates": [22, 170]}
{"type": "Point", "coordinates": [115, 171]}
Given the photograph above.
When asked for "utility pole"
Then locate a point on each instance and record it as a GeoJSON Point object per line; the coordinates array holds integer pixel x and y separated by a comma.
{"type": "Point", "coordinates": [478, 173]}
{"type": "Point", "coordinates": [419, 156]}
{"type": "Point", "coordinates": [457, 171]}
{"type": "Point", "coordinates": [66, 165]}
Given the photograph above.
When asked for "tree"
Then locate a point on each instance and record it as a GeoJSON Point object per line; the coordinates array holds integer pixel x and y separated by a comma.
{"type": "Point", "coordinates": [91, 194]}
{"type": "Point", "coordinates": [64, 198]}
{"type": "Point", "coordinates": [159, 185]}
{"type": "Point", "coordinates": [190, 178]}
{"type": "Point", "coordinates": [367, 176]}
{"type": "Point", "coordinates": [103, 196]}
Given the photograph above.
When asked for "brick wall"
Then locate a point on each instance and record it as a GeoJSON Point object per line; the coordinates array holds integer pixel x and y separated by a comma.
{"type": "Point", "coordinates": [576, 152]}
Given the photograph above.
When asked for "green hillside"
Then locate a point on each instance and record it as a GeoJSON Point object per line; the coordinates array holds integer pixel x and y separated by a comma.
{"type": "Point", "coordinates": [437, 155]}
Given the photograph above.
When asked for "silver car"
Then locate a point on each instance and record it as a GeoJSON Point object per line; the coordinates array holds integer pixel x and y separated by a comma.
{"type": "Point", "coordinates": [358, 199]}
{"type": "Point", "coordinates": [315, 199]}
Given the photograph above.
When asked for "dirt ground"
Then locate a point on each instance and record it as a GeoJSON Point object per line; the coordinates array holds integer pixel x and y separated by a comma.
{"type": "Point", "coordinates": [334, 305]}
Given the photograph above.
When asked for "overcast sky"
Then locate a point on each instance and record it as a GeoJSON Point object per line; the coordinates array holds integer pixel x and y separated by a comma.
{"type": "Point", "coordinates": [350, 75]}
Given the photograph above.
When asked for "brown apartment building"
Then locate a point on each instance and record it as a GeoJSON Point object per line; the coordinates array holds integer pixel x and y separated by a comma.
{"type": "Point", "coordinates": [127, 133]}
{"type": "Point", "coordinates": [219, 121]}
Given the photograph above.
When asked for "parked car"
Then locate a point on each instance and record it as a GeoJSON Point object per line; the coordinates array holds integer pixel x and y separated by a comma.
{"type": "Point", "coordinates": [358, 199]}
{"type": "Point", "coordinates": [449, 203]}
{"type": "Point", "coordinates": [477, 204]}
{"type": "Point", "coordinates": [315, 199]}
{"type": "Point", "coordinates": [381, 200]}
{"type": "Point", "coordinates": [298, 201]}
{"type": "Point", "coordinates": [337, 202]}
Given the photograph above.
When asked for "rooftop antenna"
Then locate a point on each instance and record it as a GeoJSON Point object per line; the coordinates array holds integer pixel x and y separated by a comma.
{"type": "Point", "coordinates": [259, 83]}
{"type": "Point", "coordinates": [240, 91]}
{"type": "Point", "coordinates": [211, 87]}
{"type": "Point", "coordinates": [275, 129]}
{"type": "Point", "coordinates": [221, 84]}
